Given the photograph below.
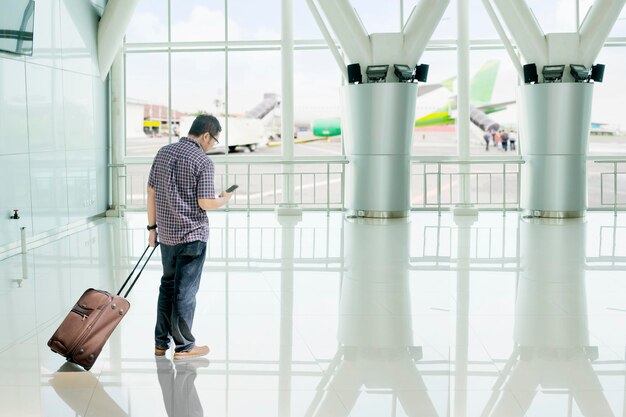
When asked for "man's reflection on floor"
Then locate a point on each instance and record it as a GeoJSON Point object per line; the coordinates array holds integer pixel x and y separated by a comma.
{"type": "Point", "coordinates": [177, 381]}
{"type": "Point", "coordinates": [551, 332]}
{"type": "Point", "coordinates": [375, 336]}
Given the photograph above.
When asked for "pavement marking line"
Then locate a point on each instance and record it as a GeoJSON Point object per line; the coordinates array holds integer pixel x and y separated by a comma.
{"type": "Point", "coordinates": [315, 148]}
{"type": "Point", "coordinates": [279, 190]}
{"type": "Point", "coordinates": [298, 141]}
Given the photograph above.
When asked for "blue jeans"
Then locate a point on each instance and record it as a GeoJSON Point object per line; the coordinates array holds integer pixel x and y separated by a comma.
{"type": "Point", "coordinates": [182, 268]}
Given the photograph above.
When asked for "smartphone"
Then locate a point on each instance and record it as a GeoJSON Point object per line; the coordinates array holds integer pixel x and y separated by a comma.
{"type": "Point", "coordinates": [232, 188]}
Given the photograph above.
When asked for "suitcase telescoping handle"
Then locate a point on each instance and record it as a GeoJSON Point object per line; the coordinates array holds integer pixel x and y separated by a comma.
{"type": "Point", "coordinates": [140, 271]}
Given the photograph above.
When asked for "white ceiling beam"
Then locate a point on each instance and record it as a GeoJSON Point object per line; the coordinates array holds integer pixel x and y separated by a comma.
{"type": "Point", "coordinates": [596, 26]}
{"type": "Point", "coordinates": [353, 38]}
{"type": "Point", "coordinates": [420, 27]}
{"type": "Point", "coordinates": [111, 30]}
{"type": "Point", "coordinates": [525, 29]}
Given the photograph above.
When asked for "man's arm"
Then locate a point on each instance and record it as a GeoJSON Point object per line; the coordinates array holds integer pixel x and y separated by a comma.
{"type": "Point", "coordinates": [152, 215]}
{"type": "Point", "coordinates": [214, 203]}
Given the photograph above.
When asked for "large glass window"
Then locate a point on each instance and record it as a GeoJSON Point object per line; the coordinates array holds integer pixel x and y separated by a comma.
{"type": "Point", "coordinates": [146, 103]}
{"type": "Point", "coordinates": [493, 88]}
{"type": "Point", "coordinates": [435, 131]}
{"type": "Point", "coordinates": [253, 20]}
{"type": "Point", "coordinates": [251, 90]}
{"type": "Point", "coordinates": [198, 20]}
{"type": "Point", "coordinates": [149, 22]}
{"type": "Point", "coordinates": [317, 107]}
{"type": "Point", "coordinates": [197, 87]}
{"type": "Point", "coordinates": [481, 26]}
{"type": "Point", "coordinates": [254, 90]}
{"type": "Point", "coordinates": [607, 114]}
{"type": "Point", "coordinates": [198, 82]}
{"type": "Point", "coordinates": [304, 26]}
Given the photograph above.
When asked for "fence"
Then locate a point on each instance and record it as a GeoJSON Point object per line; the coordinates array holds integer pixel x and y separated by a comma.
{"type": "Point", "coordinates": [318, 185]}
{"type": "Point", "coordinates": [439, 184]}
{"type": "Point", "coordinates": [610, 192]}
{"type": "Point", "coordinates": [436, 184]}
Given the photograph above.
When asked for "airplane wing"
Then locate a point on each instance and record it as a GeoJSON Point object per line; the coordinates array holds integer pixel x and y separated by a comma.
{"type": "Point", "coordinates": [493, 107]}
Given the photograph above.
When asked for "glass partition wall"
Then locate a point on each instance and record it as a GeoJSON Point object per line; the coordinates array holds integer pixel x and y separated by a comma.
{"type": "Point", "coordinates": [223, 57]}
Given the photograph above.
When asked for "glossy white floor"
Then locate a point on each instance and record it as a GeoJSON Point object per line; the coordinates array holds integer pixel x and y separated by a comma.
{"type": "Point", "coordinates": [326, 316]}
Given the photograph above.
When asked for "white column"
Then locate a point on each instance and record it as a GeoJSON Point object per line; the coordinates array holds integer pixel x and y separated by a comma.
{"type": "Point", "coordinates": [463, 87]}
{"type": "Point", "coordinates": [463, 107]}
{"type": "Point", "coordinates": [118, 135]}
{"type": "Point", "coordinates": [288, 205]}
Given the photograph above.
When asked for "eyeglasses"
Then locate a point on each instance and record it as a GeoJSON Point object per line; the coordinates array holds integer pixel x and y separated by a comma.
{"type": "Point", "coordinates": [214, 138]}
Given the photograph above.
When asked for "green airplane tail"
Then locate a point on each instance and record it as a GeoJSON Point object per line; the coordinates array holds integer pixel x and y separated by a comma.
{"type": "Point", "coordinates": [482, 84]}
{"type": "Point", "coordinates": [481, 90]}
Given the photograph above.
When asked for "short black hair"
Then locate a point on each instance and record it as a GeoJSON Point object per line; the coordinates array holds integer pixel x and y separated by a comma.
{"type": "Point", "coordinates": [205, 123]}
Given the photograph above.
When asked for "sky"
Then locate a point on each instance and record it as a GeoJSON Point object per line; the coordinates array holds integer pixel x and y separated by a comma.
{"type": "Point", "coordinates": [198, 80]}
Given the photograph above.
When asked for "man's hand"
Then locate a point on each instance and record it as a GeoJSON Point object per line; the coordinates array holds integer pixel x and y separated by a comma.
{"type": "Point", "coordinates": [153, 238]}
{"type": "Point", "coordinates": [214, 203]}
{"type": "Point", "coordinates": [226, 196]}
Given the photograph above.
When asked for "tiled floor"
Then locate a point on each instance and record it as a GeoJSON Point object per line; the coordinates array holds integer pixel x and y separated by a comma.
{"type": "Point", "coordinates": [327, 316]}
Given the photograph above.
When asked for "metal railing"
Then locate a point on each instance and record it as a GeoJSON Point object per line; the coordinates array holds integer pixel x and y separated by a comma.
{"type": "Point", "coordinates": [609, 183]}
{"type": "Point", "coordinates": [436, 184]}
{"type": "Point", "coordinates": [439, 184]}
{"type": "Point", "coordinates": [318, 184]}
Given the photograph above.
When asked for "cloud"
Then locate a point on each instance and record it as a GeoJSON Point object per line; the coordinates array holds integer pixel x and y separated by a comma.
{"type": "Point", "coordinates": [147, 27]}
{"type": "Point", "coordinates": [201, 24]}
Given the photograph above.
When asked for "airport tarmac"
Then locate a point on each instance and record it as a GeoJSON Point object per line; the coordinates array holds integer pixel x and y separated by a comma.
{"type": "Point", "coordinates": [424, 144]}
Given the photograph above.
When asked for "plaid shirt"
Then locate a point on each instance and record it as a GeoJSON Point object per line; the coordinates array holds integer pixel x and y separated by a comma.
{"type": "Point", "coordinates": [181, 174]}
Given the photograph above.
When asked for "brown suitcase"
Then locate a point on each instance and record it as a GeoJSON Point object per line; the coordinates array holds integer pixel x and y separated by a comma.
{"type": "Point", "coordinates": [87, 327]}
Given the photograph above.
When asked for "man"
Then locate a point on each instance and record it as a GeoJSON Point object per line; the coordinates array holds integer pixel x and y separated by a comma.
{"type": "Point", "coordinates": [180, 190]}
{"type": "Point", "coordinates": [505, 140]}
{"type": "Point", "coordinates": [487, 139]}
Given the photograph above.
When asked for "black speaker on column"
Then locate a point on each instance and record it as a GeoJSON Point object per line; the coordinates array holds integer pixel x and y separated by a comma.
{"type": "Point", "coordinates": [354, 74]}
{"type": "Point", "coordinates": [421, 73]}
{"type": "Point", "coordinates": [530, 74]}
{"type": "Point", "coordinates": [597, 73]}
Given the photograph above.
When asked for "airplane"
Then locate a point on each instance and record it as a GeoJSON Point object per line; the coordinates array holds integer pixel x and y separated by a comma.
{"type": "Point", "coordinates": [481, 91]}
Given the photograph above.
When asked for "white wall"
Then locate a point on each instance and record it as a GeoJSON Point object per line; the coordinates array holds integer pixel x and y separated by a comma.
{"type": "Point", "coordinates": [53, 124]}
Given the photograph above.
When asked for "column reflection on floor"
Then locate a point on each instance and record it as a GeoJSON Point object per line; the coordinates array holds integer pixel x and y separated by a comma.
{"type": "Point", "coordinates": [551, 333]}
{"type": "Point", "coordinates": [288, 224]}
{"type": "Point", "coordinates": [376, 348]}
